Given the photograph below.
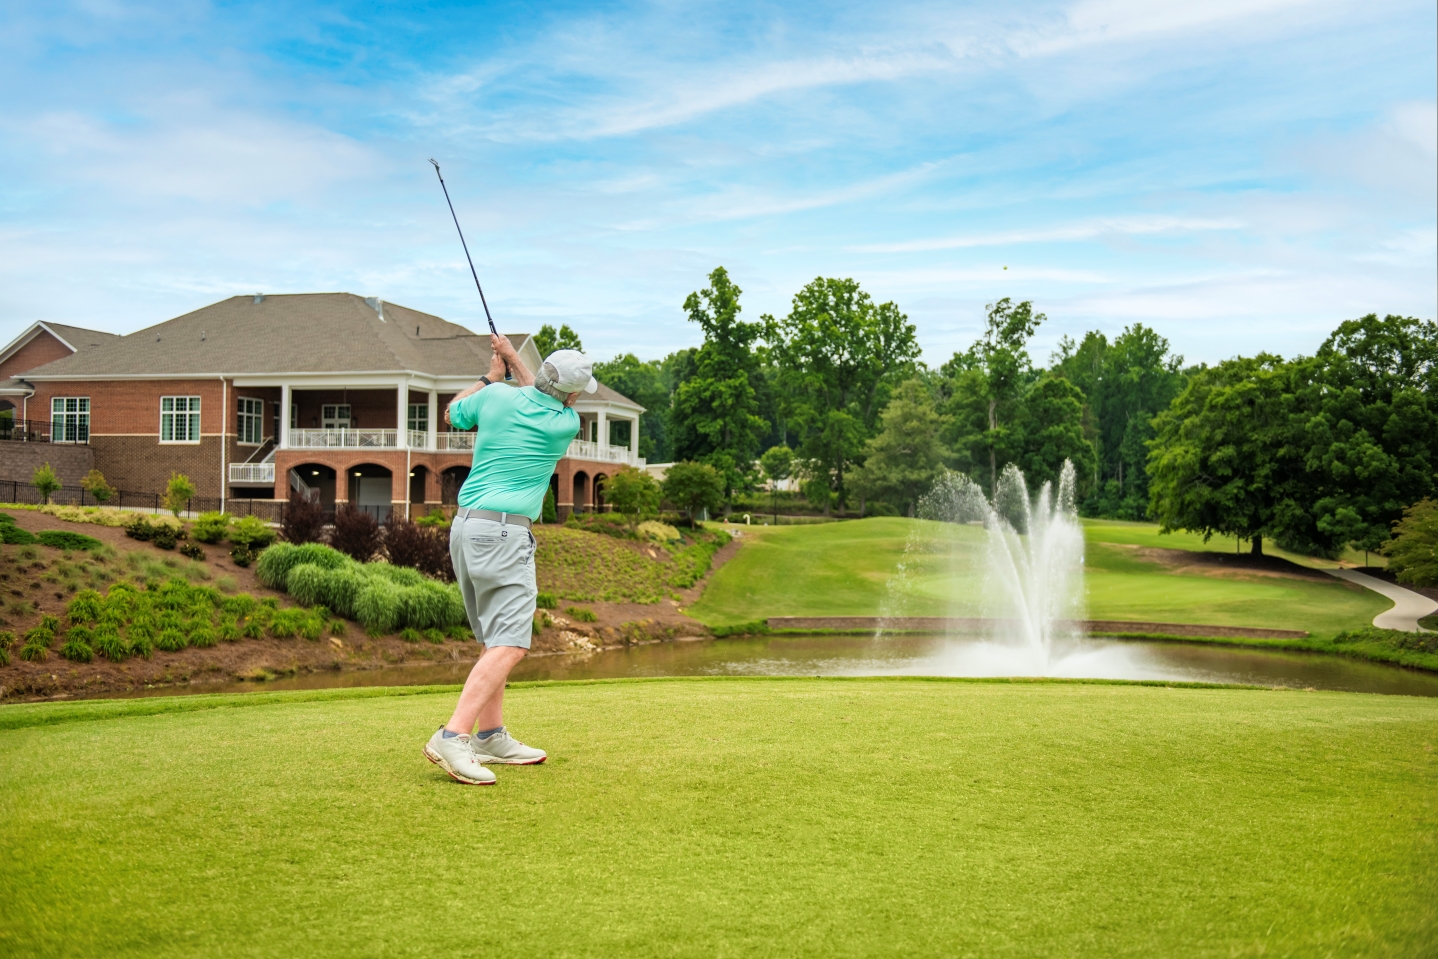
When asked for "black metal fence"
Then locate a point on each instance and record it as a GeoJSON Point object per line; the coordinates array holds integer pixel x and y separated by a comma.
{"type": "Point", "coordinates": [29, 431]}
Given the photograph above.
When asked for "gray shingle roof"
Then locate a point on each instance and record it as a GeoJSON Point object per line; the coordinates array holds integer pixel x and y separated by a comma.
{"type": "Point", "coordinates": [288, 333]}
{"type": "Point", "coordinates": [79, 337]}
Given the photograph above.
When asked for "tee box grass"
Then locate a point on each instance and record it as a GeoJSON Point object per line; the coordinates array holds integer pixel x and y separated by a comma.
{"type": "Point", "coordinates": [845, 569]}
{"type": "Point", "coordinates": [734, 817]}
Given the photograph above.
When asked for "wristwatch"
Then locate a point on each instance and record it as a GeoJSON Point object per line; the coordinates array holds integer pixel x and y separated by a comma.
{"type": "Point", "coordinates": [486, 381]}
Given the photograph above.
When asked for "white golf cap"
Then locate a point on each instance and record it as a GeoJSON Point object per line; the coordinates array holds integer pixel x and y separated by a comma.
{"type": "Point", "coordinates": [573, 371]}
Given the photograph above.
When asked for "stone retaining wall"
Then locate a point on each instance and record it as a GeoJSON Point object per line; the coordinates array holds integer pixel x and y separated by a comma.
{"type": "Point", "coordinates": [1091, 626]}
{"type": "Point", "coordinates": [19, 461]}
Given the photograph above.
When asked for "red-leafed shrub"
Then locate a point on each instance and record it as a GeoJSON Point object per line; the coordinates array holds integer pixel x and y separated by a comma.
{"type": "Point", "coordinates": [304, 519]}
{"type": "Point", "coordinates": [425, 548]}
{"type": "Point", "coordinates": [356, 533]}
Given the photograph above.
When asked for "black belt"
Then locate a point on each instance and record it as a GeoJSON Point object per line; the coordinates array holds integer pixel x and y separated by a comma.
{"type": "Point", "coordinates": [504, 519]}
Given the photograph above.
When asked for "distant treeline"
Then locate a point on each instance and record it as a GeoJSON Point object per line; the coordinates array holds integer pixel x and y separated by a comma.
{"type": "Point", "coordinates": [1317, 453]}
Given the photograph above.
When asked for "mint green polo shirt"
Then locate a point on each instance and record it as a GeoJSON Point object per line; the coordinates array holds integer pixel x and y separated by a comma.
{"type": "Point", "coordinates": [522, 434]}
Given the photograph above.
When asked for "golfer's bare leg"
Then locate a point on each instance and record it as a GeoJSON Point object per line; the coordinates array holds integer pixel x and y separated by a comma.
{"type": "Point", "coordinates": [482, 699]}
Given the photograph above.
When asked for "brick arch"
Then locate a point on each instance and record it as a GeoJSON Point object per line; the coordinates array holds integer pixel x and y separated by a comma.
{"type": "Point", "coordinates": [581, 490]}
{"type": "Point", "coordinates": [600, 481]}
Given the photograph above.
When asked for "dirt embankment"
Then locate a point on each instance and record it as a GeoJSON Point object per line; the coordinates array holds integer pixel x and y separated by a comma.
{"type": "Point", "coordinates": [36, 581]}
{"type": "Point", "coordinates": [1223, 565]}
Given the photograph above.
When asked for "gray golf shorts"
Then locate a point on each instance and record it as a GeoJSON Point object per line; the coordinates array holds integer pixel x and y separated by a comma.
{"type": "Point", "coordinates": [494, 565]}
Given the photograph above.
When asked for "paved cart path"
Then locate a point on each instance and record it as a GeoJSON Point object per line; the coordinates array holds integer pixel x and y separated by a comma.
{"type": "Point", "coordinates": [1408, 606]}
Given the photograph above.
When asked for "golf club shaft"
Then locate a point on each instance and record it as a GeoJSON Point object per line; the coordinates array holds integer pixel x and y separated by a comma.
{"type": "Point", "coordinates": [472, 272]}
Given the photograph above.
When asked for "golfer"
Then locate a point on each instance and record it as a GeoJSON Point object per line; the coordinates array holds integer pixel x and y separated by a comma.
{"type": "Point", "coordinates": [522, 433]}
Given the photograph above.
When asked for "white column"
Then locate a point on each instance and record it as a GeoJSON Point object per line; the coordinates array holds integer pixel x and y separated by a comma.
{"type": "Point", "coordinates": [401, 434]}
{"type": "Point", "coordinates": [285, 400]}
{"type": "Point", "coordinates": [603, 431]}
{"type": "Point", "coordinates": [634, 439]}
{"type": "Point", "coordinates": [432, 423]}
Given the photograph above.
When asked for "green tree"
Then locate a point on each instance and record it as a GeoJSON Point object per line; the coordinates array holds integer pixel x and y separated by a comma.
{"type": "Point", "coordinates": [715, 407]}
{"type": "Point", "coordinates": [903, 460]}
{"type": "Point", "coordinates": [1221, 461]}
{"type": "Point", "coordinates": [45, 481]}
{"type": "Point", "coordinates": [547, 340]}
{"type": "Point", "coordinates": [94, 483]}
{"type": "Point", "coordinates": [1125, 384]}
{"type": "Point", "coordinates": [840, 354]}
{"type": "Point", "coordinates": [777, 464]}
{"type": "Point", "coordinates": [693, 487]}
{"type": "Point", "coordinates": [178, 493]}
{"type": "Point", "coordinates": [987, 387]}
{"type": "Point", "coordinates": [1413, 551]}
{"type": "Point", "coordinates": [1367, 432]}
{"type": "Point", "coordinates": [1050, 429]}
{"type": "Point", "coordinates": [643, 381]}
{"type": "Point", "coordinates": [634, 493]}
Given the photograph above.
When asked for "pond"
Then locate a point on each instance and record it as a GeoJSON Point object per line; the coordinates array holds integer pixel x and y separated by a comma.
{"type": "Point", "coordinates": [905, 655]}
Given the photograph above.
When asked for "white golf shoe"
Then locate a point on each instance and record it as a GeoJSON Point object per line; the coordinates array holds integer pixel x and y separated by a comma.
{"type": "Point", "coordinates": [501, 747]}
{"type": "Point", "coordinates": [455, 757]}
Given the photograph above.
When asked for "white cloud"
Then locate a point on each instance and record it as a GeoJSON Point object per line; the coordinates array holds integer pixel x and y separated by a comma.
{"type": "Point", "coordinates": [1060, 234]}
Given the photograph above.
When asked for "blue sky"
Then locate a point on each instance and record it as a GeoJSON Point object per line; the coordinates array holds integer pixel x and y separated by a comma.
{"type": "Point", "coordinates": [1240, 175]}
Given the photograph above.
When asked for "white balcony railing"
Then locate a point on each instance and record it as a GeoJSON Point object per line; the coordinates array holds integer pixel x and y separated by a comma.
{"type": "Point", "coordinates": [584, 450]}
{"type": "Point", "coordinates": [336, 439]}
{"type": "Point", "coordinates": [418, 439]}
{"type": "Point", "coordinates": [252, 472]}
{"type": "Point", "coordinates": [454, 441]}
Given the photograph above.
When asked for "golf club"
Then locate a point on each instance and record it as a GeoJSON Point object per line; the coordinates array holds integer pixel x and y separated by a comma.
{"type": "Point", "coordinates": [472, 272]}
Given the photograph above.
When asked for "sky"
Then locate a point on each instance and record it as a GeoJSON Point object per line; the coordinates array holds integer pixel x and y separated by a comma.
{"type": "Point", "coordinates": [1241, 175]}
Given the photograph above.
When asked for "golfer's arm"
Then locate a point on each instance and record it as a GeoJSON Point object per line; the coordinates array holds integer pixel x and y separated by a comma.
{"type": "Point", "coordinates": [521, 376]}
{"type": "Point", "coordinates": [479, 385]}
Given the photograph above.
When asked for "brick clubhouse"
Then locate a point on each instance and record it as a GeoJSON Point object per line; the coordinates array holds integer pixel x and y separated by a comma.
{"type": "Point", "coordinates": [336, 395]}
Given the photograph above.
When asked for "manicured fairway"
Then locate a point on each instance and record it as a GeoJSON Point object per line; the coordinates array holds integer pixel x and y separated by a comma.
{"type": "Point", "coordinates": [730, 818]}
{"type": "Point", "coordinates": [844, 569]}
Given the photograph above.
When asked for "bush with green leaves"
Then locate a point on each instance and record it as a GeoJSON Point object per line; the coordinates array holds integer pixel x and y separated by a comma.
{"type": "Point", "coordinates": [546, 601]}
{"type": "Point", "coordinates": [86, 607]}
{"type": "Point", "coordinates": [7, 639]}
{"type": "Point", "coordinates": [178, 493]}
{"type": "Point", "coordinates": [46, 481]}
{"type": "Point", "coordinates": [109, 644]}
{"type": "Point", "coordinates": [37, 644]}
{"type": "Point", "coordinates": [77, 646]}
{"type": "Point", "coordinates": [14, 535]}
{"type": "Point", "coordinates": [381, 596]}
{"type": "Point", "coordinates": [211, 527]}
{"type": "Point", "coordinates": [164, 537]}
{"type": "Point", "coordinates": [193, 551]}
{"type": "Point", "coordinates": [252, 533]}
{"type": "Point", "coordinates": [64, 539]}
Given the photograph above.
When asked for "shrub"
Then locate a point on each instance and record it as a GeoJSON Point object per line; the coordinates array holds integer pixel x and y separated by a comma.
{"type": "Point", "coordinates": [86, 607]}
{"type": "Point", "coordinates": [14, 535]}
{"type": "Point", "coordinates": [45, 481]}
{"type": "Point", "coordinates": [1413, 552]}
{"type": "Point", "coordinates": [459, 631]}
{"type": "Point", "coordinates": [178, 493]}
{"type": "Point", "coordinates": [193, 551]}
{"type": "Point", "coordinates": [693, 487]}
{"type": "Point", "coordinates": [171, 640]}
{"type": "Point", "coordinates": [140, 529]}
{"type": "Point", "coordinates": [377, 607]}
{"type": "Point", "coordinates": [164, 537]}
{"type": "Point", "coordinates": [94, 483]}
{"type": "Point", "coordinates": [252, 533]}
{"type": "Point", "coordinates": [336, 627]}
{"type": "Point", "coordinates": [582, 614]}
{"type": "Point", "coordinates": [37, 645]}
{"type": "Point", "coordinates": [434, 636]}
{"type": "Point", "coordinates": [63, 539]}
{"type": "Point", "coordinates": [549, 512]}
{"type": "Point", "coordinates": [241, 604]}
{"type": "Point", "coordinates": [303, 520]}
{"type": "Point", "coordinates": [312, 626]}
{"type": "Point", "coordinates": [77, 647]}
{"type": "Point", "coordinates": [107, 643]}
{"type": "Point", "coordinates": [253, 629]}
{"type": "Point", "coordinates": [141, 639]}
{"type": "Point", "coordinates": [286, 623]}
{"type": "Point", "coordinates": [52, 623]}
{"type": "Point", "coordinates": [423, 606]}
{"type": "Point", "coordinates": [277, 561]}
{"type": "Point", "coordinates": [356, 533]}
{"type": "Point", "coordinates": [546, 601]}
{"type": "Point", "coordinates": [203, 636]}
{"type": "Point", "coordinates": [658, 532]}
{"type": "Point", "coordinates": [211, 527]}
{"type": "Point", "coordinates": [228, 630]}
{"type": "Point", "coordinates": [436, 517]}
{"type": "Point", "coordinates": [634, 493]}
{"type": "Point", "coordinates": [422, 548]}
{"type": "Point", "coordinates": [410, 635]}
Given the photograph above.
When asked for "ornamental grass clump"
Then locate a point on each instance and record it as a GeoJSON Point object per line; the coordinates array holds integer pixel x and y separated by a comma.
{"type": "Point", "coordinates": [109, 644]}
{"type": "Point", "coordinates": [202, 636]}
{"type": "Point", "coordinates": [410, 635]}
{"type": "Point", "coordinates": [7, 639]}
{"type": "Point", "coordinates": [171, 640]}
{"type": "Point", "coordinates": [140, 638]}
{"type": "Point", "coordinates": [377, 606]}
{"type": "Point", "coordinates": [277, 561]}
{"type": "Point", "coordinates": [77, 646]}
{"type": "Point", "coordinates": [86, 607]}
{"type": "Point", "coordinates": [37, 644]}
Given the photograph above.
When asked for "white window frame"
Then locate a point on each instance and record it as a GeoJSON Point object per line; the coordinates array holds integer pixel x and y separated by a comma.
{"type": "Point", "coordinates": [419, 417]}
{"type": "Point", "coordinates": [70, 419]}
{"type": "Point", "coordinates": [335, 416]}
{"type": "Point", "coordinates": [250, 421]}
{"type": "Point", "coordinates": [182, 409]}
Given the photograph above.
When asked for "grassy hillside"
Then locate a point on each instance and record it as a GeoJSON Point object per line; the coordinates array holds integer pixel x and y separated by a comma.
{"type": "Point", "coordinates": [844, 569]}
{"type": "Point", "coordinates": [730, 818]}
